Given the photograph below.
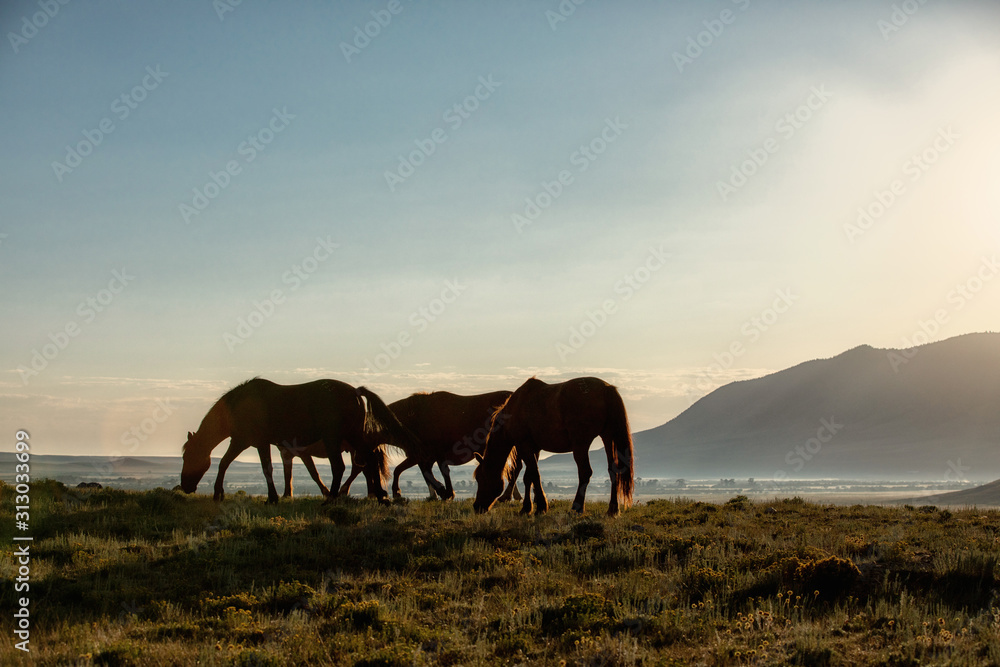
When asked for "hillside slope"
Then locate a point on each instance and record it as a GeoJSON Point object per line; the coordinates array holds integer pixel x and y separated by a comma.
{"type": "Point", "coordinates": [935, 414]}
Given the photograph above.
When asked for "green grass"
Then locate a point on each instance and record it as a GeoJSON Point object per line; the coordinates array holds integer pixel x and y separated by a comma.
{"type": "Point", "coordinates": [160, 578]}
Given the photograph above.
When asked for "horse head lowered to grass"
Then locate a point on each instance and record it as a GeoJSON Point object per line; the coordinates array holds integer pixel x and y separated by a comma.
{"type": "Point", "coordinates": [561, 418]}
{"type": "Point", "coordinates": [259, 413]}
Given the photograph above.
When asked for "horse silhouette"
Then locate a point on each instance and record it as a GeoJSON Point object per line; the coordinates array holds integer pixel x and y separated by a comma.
{"type": "Point", "coordinates": [450, 429]}
{"type": "Point", "coordinates": [561, 418]}
{"type": "Point", "coordinates": [259, 412]}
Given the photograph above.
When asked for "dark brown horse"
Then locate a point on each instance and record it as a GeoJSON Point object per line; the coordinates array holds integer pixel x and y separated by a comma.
{"type": "Point", "coordinates": [258, 413]}
{"type": "Point", "coordinates": [450, 430]}
{"type": "Point", "coordinates": [561, 418]}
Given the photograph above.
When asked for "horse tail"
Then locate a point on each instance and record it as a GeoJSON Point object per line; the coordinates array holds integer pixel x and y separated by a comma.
{"type": "Point", "coordinates": [621, 436]}
{"type": "Point", "coordinates": [380, 419]}
{"type": "Point", "coordinates": [382, 461]}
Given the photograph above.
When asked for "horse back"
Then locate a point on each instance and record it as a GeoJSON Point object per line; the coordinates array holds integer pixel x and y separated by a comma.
{"type": "Point", "coordinates": [560, 416]}
{"type": "Point", "coordinates": [442, 421]}
{"type": "Point", "coordinates": [298, 413]}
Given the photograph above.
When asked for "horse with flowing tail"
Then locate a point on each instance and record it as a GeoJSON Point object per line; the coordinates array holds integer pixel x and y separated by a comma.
{"type": "Point", "coordinates": [560, 418]}
{"type": "Point", "coordinates": [259, 412]}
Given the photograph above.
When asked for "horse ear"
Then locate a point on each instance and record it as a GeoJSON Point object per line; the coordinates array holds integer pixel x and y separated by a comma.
{"type": "Point", "coordinates": [190, 435]}
{"type": "Point", "coordinates": [479, 457]}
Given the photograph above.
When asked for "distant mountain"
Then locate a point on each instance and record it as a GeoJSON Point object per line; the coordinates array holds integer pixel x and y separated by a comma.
{"type": "Point", "coordinates": [930, 412]}
{"type": "Point", "coordinates": [58, 467]}
{"type": "Point", "coordinates": [987, 495]}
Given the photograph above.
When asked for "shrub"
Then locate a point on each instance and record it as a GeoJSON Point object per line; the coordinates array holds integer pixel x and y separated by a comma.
{"type": "Point", "coordinates": [738, 502]}
{"type": "Point", "coordinates": [831, 577]}
{"type": "Point", "coordinates": [119, 655]}
{"type": "Point", "coordinates": [213, 606]}
{"type": "Point", "coordinates": [698, 582]}
{"type": "Point", "coordinates": [255, 657]}
{"type": "Point", "coordinates": [586, 611]}
{"type": "Point", "coordinates": [287, 596]}
{"type": "Point", "coordinates": [361, 615]}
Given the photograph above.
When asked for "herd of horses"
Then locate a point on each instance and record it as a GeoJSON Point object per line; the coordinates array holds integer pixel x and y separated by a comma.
{"type": "Point", "coordinates": [502, 430]}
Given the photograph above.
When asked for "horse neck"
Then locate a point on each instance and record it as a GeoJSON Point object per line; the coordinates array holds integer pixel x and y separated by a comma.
{"type": "Point", "coordinates": [214, 428]}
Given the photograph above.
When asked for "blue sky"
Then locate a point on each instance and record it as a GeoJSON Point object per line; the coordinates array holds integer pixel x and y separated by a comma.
{"type": "Point", "coordinates": [713, 158]}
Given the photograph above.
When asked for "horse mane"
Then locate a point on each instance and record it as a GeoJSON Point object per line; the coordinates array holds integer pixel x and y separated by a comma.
{"type": "Point", "coordinates": [509, 465]}
{"type": "Point", "coordinates": [496, 422]}
{"type": "Point", "coordinates": [217, 417]}
{"type": "Point", "coordinates": [233, 395]}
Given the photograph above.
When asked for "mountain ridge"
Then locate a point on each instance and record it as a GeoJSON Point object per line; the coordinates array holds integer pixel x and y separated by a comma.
{"type": "Point", "coordinates": [903, 413]}
{"type": "Point", "coordinates": [920, 413]}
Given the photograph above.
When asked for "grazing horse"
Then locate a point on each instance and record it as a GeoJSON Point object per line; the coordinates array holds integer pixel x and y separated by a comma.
{"type": "Point", "coordinates": [561, 418]}
{"type": "Point", "coordinates": [450, 430]}
{"type": "Point", "coordinates": [259, 412]}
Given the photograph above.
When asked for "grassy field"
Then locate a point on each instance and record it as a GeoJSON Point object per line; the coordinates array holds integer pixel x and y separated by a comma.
{"type": "Point", "coordinates": [159, 578]}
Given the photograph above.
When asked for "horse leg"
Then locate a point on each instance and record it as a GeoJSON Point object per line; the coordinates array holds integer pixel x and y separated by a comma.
{"type": "Point", "coordinates": [356, 470]}
{"type": "Point", "coordinates": [584, 470]}
{"type": "Point", "coordinates": [404, 465]}
{"type": "Point", "coordinates": [427, 470]}
{"type": "Point", "coordinates": [264, 450]}
{"type": "Point", "coordinates": [287, 458]}
{"type": "Point", "coordinates": [373, 479]}
{"type": "Point", "coordinates": [448, 488]}
{"type": "Point", "coordinates": [311, 467]}
{"type": "Point", "coordinates": [511, 490]}
{"type": "Point", "coordinates": [532, 478]}
{"type": "Point", "coordinates": [613, 474]}
{"type": "Point", "coordinates": [541, 502]}
{"type": "Point", "coordinates": [235, 449]}
{"type": "Point", "coordinates": [336, 464]}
